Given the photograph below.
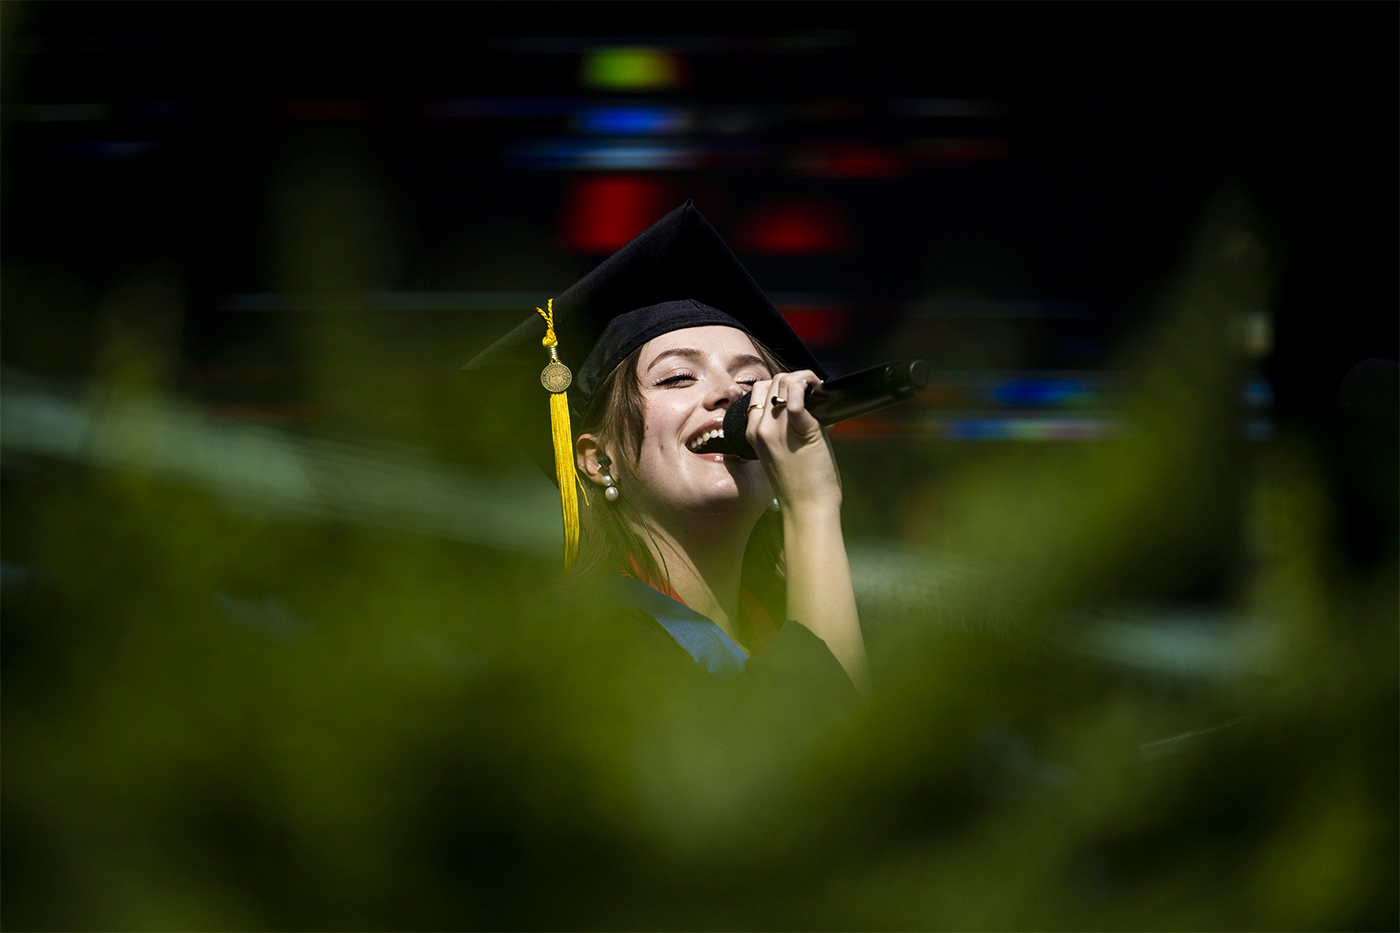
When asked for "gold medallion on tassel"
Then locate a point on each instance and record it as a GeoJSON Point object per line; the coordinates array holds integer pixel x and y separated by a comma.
{"type": "Point", "coordinates": [556, 377]}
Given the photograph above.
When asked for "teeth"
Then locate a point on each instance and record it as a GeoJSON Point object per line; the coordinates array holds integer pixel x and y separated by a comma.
{"type": "Point", "coordinates": [700, 441]}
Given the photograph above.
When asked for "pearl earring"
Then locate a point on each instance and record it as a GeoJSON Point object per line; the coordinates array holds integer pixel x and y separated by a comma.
{"type": "Point", "coordinates": [774, 506]}
{"type": "Point", "coordinates": [610, 485]}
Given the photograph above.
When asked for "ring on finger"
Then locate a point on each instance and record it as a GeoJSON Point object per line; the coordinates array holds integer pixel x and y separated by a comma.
{"type": "Point", "coordinates": [756, 405]}
{"type": "Point", "coordinates": [778, 401]}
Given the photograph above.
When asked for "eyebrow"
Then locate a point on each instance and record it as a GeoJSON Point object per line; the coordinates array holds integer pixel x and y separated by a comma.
{"type": "Point", "coordinates": [690, 353]}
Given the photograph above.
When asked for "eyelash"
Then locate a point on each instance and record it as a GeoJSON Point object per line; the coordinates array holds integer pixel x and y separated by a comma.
{"type": "Point", "coordinates": [678, 377]}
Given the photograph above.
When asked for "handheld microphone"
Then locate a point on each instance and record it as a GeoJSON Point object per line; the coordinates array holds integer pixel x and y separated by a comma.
{"type": "Point", "coordinates": [834, 400]}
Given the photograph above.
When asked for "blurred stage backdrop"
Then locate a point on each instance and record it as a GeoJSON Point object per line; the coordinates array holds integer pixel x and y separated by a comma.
{"type": "Point", "coordinates": [278, 644]}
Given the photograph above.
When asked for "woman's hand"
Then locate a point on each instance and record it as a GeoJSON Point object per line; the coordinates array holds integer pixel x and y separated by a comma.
{"type": "Point", "coordinates": [801, 468]}
{"type": "Point", "coordinates": [791, 445]}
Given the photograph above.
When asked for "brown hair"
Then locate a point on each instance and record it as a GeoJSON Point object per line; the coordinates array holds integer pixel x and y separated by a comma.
{"type": "Point", "coordinates": [617, 417]}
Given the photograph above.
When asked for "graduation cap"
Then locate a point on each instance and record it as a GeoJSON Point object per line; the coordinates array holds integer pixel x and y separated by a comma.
{"type": "Point", "coordinates": [676, 274]}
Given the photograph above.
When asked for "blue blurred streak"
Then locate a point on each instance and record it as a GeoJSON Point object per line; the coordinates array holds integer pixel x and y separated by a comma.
{"type": "Point", "coordinates": [1003, 428]}
{"type": "Point", "coordinates": [1259, 393]}
{"type": "Point", "coordinates": [585, 154]}
{"type": "Point", "coordinates": [634, 120]}
{"type": "Point", "coordinates": [639, 155]}
{"type": "Point", "coordinates": [1037, 391]}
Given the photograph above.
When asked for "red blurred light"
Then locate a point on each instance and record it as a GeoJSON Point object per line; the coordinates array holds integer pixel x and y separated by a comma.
{"type": "Point", "coordinates": [875, 427]}
{"type": "Point", "coordinates": [819, 327]}
{"type": "Point", "coordinates": [603, 213]}
{"type": "Point", "coordinates": [793, 228]}
{"type": "Point", "coordinates": [849, 160]}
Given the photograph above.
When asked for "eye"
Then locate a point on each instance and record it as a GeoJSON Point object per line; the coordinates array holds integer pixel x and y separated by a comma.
{"type": "Point", "coordinates": [675, 380]}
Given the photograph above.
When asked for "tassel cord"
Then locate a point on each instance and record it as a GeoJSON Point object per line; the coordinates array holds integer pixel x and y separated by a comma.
{"type": "Point", "coordinates": [556, 379]}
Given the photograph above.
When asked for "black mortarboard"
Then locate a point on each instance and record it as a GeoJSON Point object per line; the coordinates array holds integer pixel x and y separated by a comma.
{"type": "Point", "coordinates": [678, 273]}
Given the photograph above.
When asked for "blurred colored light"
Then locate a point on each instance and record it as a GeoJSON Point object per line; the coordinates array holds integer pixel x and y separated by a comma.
{"type": "Point", "coordinates": [602, 214]}
{"type": "Point", "coordinates": [793, 228]}
{"type": "Point", "coordinates": [819, 327]}
{"type": "Point", "coordinates": [1259, 393]}
{"type": "Point", "coordinates": [1037, 391]}
{"type": "Point", "coordinates": [887, 427]}
{"type": "Point", "coordinates": [1027, 429]}
{"type": "Point", "coordinates": [612, 155]}
{"type": "Point", "coordinates": [634, 121]}
{"type": "Point", "coordinates": [635, 68]}
{"type": "Point", "coordinates": [1256, 332]}
{"type": "Point", "coordinates": [849, 160]}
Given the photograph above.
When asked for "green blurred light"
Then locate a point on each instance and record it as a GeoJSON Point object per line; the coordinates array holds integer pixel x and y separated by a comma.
{"type": "Point", "coordinates": [634, 68]}
{"type": "Point", "coordinates": [275, 472]}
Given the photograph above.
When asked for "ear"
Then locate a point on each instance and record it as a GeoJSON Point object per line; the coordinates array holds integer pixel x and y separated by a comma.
{"type": "Point", "coordinates": [586, 451]}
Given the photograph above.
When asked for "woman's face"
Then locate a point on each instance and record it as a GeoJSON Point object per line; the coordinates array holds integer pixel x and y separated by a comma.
{"type": "Point", "coordinates": [689, 378]}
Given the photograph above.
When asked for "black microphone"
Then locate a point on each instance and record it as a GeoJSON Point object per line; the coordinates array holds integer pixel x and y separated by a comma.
{"type": "Point", "coordinates": [834, 400]}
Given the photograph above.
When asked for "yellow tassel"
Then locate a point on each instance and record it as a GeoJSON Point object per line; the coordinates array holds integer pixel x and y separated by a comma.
{"type": "Point", "coordinates": [564, 466]}
{"type": "Point", "coordinates": [556, 378]}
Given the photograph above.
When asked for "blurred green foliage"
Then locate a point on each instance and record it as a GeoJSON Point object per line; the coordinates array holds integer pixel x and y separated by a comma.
{"type": "Point", "coordinates": [220, 717]}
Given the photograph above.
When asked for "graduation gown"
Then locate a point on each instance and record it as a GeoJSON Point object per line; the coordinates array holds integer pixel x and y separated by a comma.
{"type": "Point", "coordinates": [793, 653]}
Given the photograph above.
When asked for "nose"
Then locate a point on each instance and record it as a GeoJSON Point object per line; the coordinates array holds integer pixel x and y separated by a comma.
{"type": "Point", "coordinates": [725, 395]}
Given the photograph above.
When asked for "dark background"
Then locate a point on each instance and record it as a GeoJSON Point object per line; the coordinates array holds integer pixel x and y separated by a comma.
{"type": "Point", "coordinates": [1120, 124]}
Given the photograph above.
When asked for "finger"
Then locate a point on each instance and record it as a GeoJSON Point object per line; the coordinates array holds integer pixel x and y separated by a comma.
{"type": "Point", "coordinates": [768, 433]}
{"type": "Point", "coordinates": [760, 395]}
{"type": "Point", "coordinates": [777, 395]}
{"type": "Point", "coordinates": [793, 390]}
{"type": "Point", "coordinates": [800, 419]}
{"type": "Point", "coordinates": [796, 385]}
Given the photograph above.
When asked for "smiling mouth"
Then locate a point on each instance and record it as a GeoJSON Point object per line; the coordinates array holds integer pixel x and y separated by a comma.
{"type": "Point", "coordinates": [711, 442]}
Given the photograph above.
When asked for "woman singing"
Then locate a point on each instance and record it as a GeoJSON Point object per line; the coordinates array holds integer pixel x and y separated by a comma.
{"type": "Point", "coordinates": [672, 331]}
